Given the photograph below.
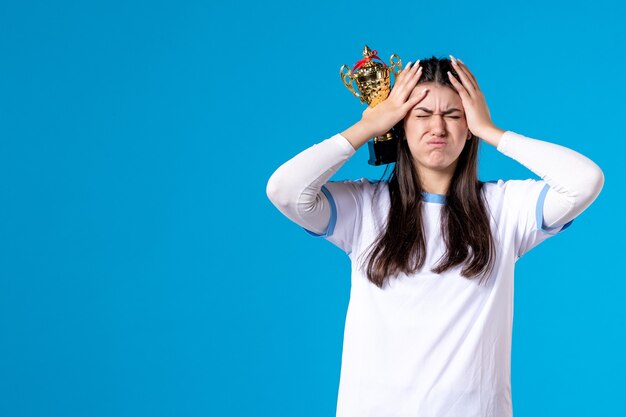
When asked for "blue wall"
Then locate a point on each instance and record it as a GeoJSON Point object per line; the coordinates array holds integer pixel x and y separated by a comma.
{"type": "Point", "coordinates": [144, 272]}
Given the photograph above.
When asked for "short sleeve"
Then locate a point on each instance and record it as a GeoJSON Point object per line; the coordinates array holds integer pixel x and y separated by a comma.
{"type": "Point", "coordinates": [523, 202]}
{"type": "Point", "coordinates": [344, 198]}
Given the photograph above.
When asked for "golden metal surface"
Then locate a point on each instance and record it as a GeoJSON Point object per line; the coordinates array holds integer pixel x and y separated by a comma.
{"type": "Point", "coordinates": [372, 78]}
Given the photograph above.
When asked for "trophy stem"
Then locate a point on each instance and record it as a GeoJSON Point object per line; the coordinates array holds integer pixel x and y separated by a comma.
{"type": "Point", "coordinates": [383, 149]}
{"type": "Point", "coordinates": [382, 138]}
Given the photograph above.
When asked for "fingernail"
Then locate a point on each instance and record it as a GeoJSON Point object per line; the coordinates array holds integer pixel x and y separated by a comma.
{"type": "Point", "coordinates": [452, 58]}
{"type": "Point", "coordinates": [408, 64]}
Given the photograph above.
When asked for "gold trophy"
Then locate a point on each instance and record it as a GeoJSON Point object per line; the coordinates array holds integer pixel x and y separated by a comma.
{"type": "Point", "coordinates": [373, 80]}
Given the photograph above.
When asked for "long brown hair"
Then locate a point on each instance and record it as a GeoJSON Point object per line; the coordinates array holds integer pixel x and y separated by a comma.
{"type": "Point", "coordinates": [465, 227]}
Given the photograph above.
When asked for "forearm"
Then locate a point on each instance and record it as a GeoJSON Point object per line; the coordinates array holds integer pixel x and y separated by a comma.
{"type": "Point", "coordinates": [574, 180]}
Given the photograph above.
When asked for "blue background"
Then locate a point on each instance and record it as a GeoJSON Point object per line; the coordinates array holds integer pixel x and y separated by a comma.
{"type": "Point", "coordinates": [143, 270]}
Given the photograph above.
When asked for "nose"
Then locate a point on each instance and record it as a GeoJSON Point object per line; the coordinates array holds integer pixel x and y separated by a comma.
{"type": "Point", "coordinates": [437, 124]}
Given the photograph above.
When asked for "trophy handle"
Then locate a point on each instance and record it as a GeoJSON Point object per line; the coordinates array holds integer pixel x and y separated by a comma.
{"type": "Point", "coordinates": [397, 64]}
{"type": "Point", "coordinates": [347, 79]}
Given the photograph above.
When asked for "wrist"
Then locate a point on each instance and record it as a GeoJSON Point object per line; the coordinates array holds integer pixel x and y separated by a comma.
{"type": "Point", "coordinates": [491, 134]}
{"type": "Point", "coordinates": [358, 134]}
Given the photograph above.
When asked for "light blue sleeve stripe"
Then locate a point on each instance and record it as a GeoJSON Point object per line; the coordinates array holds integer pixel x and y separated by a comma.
{"type": "Point", "coordinates": [539, 214]}
{"type": "Point", "coordinates": [333, 215]}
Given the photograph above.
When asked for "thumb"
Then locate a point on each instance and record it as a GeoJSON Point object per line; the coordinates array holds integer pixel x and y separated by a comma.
{"type": "Point", "coordinates": [416, 99]}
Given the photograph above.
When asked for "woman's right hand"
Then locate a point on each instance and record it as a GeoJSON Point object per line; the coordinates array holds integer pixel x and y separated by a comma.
{"type": "Point", "coordinates": [381, 118]}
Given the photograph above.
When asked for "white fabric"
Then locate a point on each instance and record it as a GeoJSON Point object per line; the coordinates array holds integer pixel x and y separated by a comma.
{"type": "Point", "coordinates": [294, 188]}
{"type": "Point", "coordinates": [427, 344]}
{"type": "Point", "coordinates": [431, 345]}
{"type": "Point", "coordinates": [574, 180]}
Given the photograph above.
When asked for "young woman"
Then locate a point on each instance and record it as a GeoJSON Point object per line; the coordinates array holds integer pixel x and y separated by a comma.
{"type": "Point", "coordinates": [433, 249]}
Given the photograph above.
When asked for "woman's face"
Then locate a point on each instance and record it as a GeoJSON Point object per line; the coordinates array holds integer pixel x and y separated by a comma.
{"type": "Point", "coordinates": [436, 128]}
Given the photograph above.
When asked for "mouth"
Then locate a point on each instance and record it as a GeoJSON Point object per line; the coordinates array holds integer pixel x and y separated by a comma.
{"type": "Point", "coordinates": [438, 143]}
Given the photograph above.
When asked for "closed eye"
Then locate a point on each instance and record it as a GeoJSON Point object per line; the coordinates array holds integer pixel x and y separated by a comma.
{"type": "Point", "coordinates": [452, 117]}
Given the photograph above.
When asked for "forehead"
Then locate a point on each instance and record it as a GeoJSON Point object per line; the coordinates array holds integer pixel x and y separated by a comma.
{"type": "Point", "coordinates": [438, 95]}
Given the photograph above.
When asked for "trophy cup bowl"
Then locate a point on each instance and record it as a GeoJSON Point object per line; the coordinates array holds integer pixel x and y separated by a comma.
{"type": "Point", "coordinates": [373, 82]}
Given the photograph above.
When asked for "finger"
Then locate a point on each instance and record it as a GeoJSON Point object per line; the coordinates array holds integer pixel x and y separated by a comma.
{"type": "Point", "coordinates": [403, 72]}
{"type": "Point", "coordinates": [411, 83]}
{"type": "Point", "coordinates": [467, 82]}
{"type": "Point", "coordinates": [460, 88]}
{"type": "Point", "coordinates": [469, 73]}
{"type": "Point", "coordinates": [404, 87]}
{"type": "Point", "coordinates": [415, 99]}
{"type": "Point", "coordinates": [418, 93]}
{"type": "Point", "coordinates": [465, 79]}
{"type": "Point", "coordinates": [406, 72]}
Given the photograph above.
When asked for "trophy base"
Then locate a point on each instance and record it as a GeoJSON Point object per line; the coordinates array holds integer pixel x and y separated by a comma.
{"type": "Point", "coordinates": [383, 149]}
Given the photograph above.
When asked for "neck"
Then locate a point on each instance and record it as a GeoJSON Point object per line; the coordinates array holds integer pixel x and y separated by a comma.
{"type": "Point", "coordinates": [436, 181]}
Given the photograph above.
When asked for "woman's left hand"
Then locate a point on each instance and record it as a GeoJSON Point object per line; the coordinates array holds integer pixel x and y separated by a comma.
{"type": "Point", "coordinates": [476, 110]}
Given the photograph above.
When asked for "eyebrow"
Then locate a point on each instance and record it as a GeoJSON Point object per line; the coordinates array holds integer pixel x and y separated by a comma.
{"type": "Point", "coordinates": [431, 112]}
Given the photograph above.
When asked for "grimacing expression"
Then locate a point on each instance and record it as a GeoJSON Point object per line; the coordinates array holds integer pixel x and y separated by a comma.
{"type": "Point", "coordinates": [439, 117]}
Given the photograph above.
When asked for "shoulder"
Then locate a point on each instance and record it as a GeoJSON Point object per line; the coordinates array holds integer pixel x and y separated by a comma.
{"type": "Point", "coordinates": [511, 198]}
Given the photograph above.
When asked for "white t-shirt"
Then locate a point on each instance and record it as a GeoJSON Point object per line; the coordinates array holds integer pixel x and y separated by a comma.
{"type": "Point", "coordinates": [431, 345]}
